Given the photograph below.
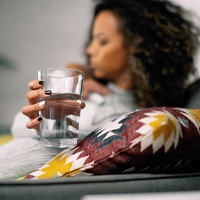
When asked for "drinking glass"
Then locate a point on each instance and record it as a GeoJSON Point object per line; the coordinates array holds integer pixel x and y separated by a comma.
{"type": "Point", "coordinates": [61, 113]}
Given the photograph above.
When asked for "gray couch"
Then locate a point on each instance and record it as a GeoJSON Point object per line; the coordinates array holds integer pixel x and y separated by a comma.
{"type": "Point", "coordinates": [75, 188]}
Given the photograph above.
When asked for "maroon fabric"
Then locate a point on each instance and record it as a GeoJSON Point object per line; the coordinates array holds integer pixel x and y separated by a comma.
{"type": "Point", "coordinates": [185, 157]}
{"type": "Point", "coordinates": [153, 140]}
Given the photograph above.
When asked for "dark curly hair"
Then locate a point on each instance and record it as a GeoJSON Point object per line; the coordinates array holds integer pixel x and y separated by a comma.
{"type": "Point", "coordinates": [166, 42]}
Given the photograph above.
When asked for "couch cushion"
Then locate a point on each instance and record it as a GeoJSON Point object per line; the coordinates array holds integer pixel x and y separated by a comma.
{"type": "Point", "coordinates": [74, 188]}
{"type": "Point", "coordinates": [149, 140]}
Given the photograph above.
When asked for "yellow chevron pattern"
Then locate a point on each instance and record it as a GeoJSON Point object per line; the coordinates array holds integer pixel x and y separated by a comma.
{"type": "Point", "coordinates": [159, 129]}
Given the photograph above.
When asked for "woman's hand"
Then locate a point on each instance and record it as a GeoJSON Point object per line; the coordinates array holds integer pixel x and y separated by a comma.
{"type": "Point", "coordinates": [32, 110]}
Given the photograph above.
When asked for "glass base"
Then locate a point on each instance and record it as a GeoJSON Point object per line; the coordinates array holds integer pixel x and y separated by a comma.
{"type": "Point", "coordinates": [59, 143]}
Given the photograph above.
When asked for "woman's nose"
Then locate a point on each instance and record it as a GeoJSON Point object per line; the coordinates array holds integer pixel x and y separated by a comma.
{"type": "Point", "coordinates": [90, 49]}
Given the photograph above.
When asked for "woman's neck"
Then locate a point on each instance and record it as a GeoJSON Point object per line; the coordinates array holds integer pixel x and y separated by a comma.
{"type": "Point", "coordinates": [125, 81]}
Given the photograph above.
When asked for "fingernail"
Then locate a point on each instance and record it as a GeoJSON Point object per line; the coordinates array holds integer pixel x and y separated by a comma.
{"type": "Point", "coordinates": [39, 119]}
{"type": "Point", "coordinates": [42, 103]}
{"type": "Point", "coordinates": [48, 92]}
{"type": "Point", "coordinates": [41, 82]}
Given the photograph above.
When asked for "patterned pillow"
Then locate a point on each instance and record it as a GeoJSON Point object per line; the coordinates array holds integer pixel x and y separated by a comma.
{"type": "Point", "coordinates": [152, 140]}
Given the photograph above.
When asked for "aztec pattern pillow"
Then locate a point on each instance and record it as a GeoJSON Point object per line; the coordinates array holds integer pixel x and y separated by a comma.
{"type": "Point", "coordinates": [152, 140]}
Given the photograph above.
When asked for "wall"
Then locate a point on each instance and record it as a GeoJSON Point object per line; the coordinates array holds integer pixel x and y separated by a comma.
{"type": "Point", "coordinates": [36, 34]}
{"type": "Point", "coordinates": [193, 6]}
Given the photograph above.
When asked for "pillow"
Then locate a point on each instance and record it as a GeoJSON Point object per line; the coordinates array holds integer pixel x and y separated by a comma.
{"type": "Point", "coordinates": [152, 140]}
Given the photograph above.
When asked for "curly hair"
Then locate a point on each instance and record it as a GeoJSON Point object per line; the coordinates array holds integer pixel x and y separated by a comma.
{"type": "Point", "coordinates": [166, 41]}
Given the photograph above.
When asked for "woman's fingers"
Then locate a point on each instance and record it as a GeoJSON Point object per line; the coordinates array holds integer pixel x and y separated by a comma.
{"type": "Point", "coordinates": [36, 91]}
{"type": "Point", "coordinates": [35, 84]}
{"type": "Point", "coordinates": [32, 111]}
{"type": "Point", "coordinates": [35, 123]}
{"type": "Point", "coordinates": [34, 95]}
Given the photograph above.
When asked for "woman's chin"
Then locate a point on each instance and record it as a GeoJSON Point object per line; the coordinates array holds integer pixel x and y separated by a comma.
{"type": "Point", "coordinates": [97, 74]}
{"type": "Point", "coordinates": [101, 79]}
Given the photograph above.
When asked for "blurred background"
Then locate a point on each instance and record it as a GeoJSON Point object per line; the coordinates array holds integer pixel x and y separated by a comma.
{"type": "Point", "coordinates": [40, 34]}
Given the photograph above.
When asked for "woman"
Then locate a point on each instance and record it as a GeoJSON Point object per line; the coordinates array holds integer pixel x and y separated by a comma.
{"type": "Point", "coordinates": [161, 44]}
{"type": "Point", "coordinates": [143, 49]}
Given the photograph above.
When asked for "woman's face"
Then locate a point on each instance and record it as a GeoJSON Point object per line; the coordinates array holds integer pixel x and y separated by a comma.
{"type": "Point", "coordinates": [107, 52]}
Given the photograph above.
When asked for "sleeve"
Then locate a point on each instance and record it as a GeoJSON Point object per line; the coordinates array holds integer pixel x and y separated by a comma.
{"type": "Point", "coordinates": [19, 129]}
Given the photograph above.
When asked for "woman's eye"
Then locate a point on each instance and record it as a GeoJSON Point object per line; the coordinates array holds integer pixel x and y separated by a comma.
{"type": "Point", "coordinates": [102, 42]}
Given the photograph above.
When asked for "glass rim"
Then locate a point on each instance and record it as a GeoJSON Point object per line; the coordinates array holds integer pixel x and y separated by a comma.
{"type": "Point", "coordinates": [43, 71]}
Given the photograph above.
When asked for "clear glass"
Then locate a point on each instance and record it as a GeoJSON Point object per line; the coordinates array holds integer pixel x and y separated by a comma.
{"type": "Point", "coordinates": [61, 113]}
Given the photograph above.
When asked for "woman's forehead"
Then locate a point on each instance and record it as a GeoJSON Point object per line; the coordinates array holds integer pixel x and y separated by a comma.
{"type": "Point", "coordinates": [106, 23]}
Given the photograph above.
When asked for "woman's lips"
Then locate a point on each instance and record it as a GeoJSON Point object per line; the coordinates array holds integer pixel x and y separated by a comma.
{"type": "Point", "coordinates": [92, 65]}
